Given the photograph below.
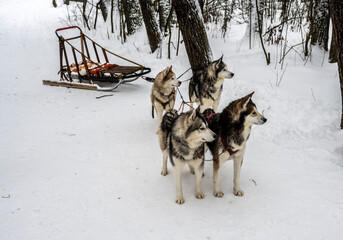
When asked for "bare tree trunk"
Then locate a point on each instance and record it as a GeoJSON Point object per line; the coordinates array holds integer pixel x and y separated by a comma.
{"type": "Point", "coordinates": [85, 18]}
{"type": "Point", "coordinates": [259, 23]}
{"type": "Point", "coordinates": [194, 34]}
{"type": "Point", "coordinates": [112, 9]}
{"type": "Point", "coordinates": [321, 24]}
{"type": "Point", "coordinates": [336, 7]}
{"type": "Point", "coordinates": [151, 26]}
{"type": "Point", "coordinates": [168, 28]}
{"type": "Point", "coordinates": [103, 9]}
{"type": "Point", "coordinates": [178, 42]}
{"type": "Point", "coordinates": [96, 15]}
{"type": "Point", "coordinates": [121, 21]}
{"type": "Point", "coordinates": [250, 23]}
{"type": "Point", "coordinates": [310, 33]}
{"type": "Point", "coordinates": [161, 18]}
{"type": "Point", "coordinates": [333, 49]}
{"type": "Point", "coordinates": [128, 19]}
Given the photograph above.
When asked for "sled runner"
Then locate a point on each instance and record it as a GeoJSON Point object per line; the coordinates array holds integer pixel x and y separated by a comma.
{"type": "Point", "coordinates": [90, 74]}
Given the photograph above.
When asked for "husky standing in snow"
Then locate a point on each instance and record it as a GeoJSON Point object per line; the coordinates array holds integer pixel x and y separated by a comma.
{"type": "Point", "coordinates": [182, 138]}
{"type": "Point", "coordinates": [232, 127]}
{"type": "Point", "coordinates": [206, 86]}
{"type": "Point", "coordinates": [163, 92]}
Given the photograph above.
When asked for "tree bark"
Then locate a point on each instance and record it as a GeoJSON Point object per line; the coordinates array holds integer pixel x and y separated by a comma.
{"type": "Point", "coordinates": [128, 19]}
{"type": "Point", "coordinates": [84, 16]}
{"type": "Point", "coordinates": [103, 9]}
{"type": "Point", "coordinates": [194, 34]}
{"type": "Point", "coordinates": [333, 49]}
{"type": "Point", "coordinates": [320, 33]}
{"type": "Point", "coordinates": [112, 9]}
{"type": "Point", "coordinates": [310, 33]}
{"type": "Point", "coordinates": [336, 8]}
{"type": "Point", "coordinates": [260, 25]}
{"type": "Point", "coordinates": [151, 26]}
{"type": "Point", "coordinates": [161, 9]}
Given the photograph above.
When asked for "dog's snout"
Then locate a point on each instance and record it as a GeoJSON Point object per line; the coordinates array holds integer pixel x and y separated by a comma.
{"type": "Point", "coordinates": [179, 83]}
{"type": "Point", "coordinates": [214, 135]}
{"type": "Point", "coordinates": [264, 120]}
{"type": "Point", "coordinates": [232, 74]}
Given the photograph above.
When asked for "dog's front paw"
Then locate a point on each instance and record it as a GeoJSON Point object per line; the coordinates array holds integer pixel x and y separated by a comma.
{"type": "Point", "coordinates": [180, 200]}
{"type": "Point", "coordinates": [219, 194]}
{"type": "Point", "coordinates": [199, 195]}
{"type": "Point", "coordinates": [164, 172]}
{"type": "Point", "coordinates": [238, 192]}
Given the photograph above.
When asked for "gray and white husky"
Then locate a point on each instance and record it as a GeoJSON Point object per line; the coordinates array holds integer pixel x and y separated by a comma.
{"type": "Point", "coordinates": [233, 128]}
{"type": "Point", "coordinates": [206, 86]}
{"type": "Point", "coordinates": [182, 139]}
{"type": "Point", "coordinates": [163, 92]}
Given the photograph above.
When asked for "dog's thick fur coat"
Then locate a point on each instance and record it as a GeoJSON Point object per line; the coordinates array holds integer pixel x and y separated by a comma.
{"type": "Point", "coordinates": [163, 92]}
{"type": "Point", "coordinates": [182, 139]}
{"type": "Point", "coordinates": [232, 127]}
{"type": "Point", "coordinates": [206, 86]}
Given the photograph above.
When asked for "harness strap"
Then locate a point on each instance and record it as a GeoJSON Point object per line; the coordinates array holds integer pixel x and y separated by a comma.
{"type": "Point", "coordinates": [211, 115]}
{"type": "Point", "coordinates": [164, 104]}
{"type": "Point", "coordinates": [226, 147]}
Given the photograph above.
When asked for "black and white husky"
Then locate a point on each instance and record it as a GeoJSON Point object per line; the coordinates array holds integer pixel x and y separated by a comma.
{"type": "Point", "coordinates": [233, 128]}
{"type": "Point", "coordinates": [182, 138]}
{"type": "Point", "coordinates": [206, 86]}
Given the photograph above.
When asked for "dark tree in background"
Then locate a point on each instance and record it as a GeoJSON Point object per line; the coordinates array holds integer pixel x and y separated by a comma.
{"type": "Point", "coordinates": [159, 6]}
{"type": "Point", "coordinates": [321, 23]}
{"type": "Point", "coordinates": [129, 17]}
{"type": "Point", "coordinates": [336, 8]}
{"type": "Point", "coordinates": [333, 49]}
{"type": "Point", "coordinates": [128, 20]}
{"type": "Point", "coordinates": [193, 33]}
{"type": "Point", "coordinates": [151, 26]}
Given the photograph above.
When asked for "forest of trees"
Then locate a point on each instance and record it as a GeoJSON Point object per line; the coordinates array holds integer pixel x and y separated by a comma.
{"type": "Point", "coordinates": [268, 21]}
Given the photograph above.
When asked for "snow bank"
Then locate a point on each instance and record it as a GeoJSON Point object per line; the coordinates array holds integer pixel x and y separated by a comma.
{"type": "Point", "coordinates": [77, 167]}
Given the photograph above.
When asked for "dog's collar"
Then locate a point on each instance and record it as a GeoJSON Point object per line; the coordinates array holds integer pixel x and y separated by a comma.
{"type": "Point", "coordinates": [227, 147]}
{"type": "Point", "coordinates": [209, 117]}
{"type": "Point", "coordinates": [172, 92]}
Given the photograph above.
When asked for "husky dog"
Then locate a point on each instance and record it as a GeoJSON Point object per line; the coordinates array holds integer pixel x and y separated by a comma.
{"type": "Point", "coordinates": [163, 92]}
{"type": "Point", "coordinates": [182, 138]}
{"type": "Point", "coordinates": [233, 128]}
{"type": "Point", "coordinates": [206, 86]}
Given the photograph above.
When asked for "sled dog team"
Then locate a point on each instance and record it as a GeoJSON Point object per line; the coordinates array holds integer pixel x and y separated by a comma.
{"type": "Point", "coordinates": [185, 137]}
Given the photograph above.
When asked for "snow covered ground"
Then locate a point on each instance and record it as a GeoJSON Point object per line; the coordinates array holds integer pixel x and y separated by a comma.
{"type": "Point", "coordinates": [76, 167]}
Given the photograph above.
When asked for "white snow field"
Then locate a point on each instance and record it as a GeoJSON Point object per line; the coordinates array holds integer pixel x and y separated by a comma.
{"type": "Point", "coordinates": [76, 167]}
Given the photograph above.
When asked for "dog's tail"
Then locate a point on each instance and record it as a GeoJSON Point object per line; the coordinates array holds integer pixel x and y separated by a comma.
{"type": "Point", "coordinates": [152, 112]}
{"type": "Point", "coordinates": [168, 120]}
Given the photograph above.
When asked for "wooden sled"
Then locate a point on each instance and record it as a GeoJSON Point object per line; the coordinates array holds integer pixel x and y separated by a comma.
{"type": "Point", "coordinates": [89, 74]}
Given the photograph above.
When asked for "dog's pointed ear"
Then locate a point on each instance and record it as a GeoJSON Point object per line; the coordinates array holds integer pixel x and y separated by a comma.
{"type": "Point", "coordinates": [165, 72]}
{"type": "Point", "coordinates": [170, 68]}
{"type": "Point", "coordinates": [245, 100]}
{"type": "Point", "coordinates": [201, 109]}
{"type": "Point", "coordinates": [219, 61]}
{"type": "Point", "coordinates": [192, 116]}
{"type": "Point", "coordinates": [221, 58]}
